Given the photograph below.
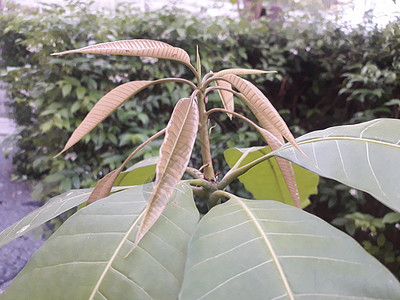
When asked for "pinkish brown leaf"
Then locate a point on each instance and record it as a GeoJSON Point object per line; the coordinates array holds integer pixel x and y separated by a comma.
{"type": "Point", "coordinates": [138, 47]}
{"type": "Point", "coordinates": [173, 159]}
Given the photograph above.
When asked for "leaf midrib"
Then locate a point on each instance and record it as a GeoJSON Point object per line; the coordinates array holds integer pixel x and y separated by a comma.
{"type": "Point", "coordinates": [340, 138]}
{"type": "Point", "coordinates": [270, 248]}
{"type": "Point", "coordinates": [108, 266]}
{"type": "Point", "coordinates": [176, 142]}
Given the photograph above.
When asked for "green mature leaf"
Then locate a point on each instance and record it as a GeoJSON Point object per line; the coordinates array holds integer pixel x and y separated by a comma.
{"type": "Point", "coordinates": [265, 181]}
{"type": "Point", "coordinates": [53, 208]}
{"type": "Point", "coordinates": [86, 258]}
{"type": "Point", "coordinates": [365, 156]}
{"type": "Point", "coordinates": [391, 218]}
{"type": "Point", "coordinates": [246, 249]}
{"type": "Point", "coordinates": [140, 173]}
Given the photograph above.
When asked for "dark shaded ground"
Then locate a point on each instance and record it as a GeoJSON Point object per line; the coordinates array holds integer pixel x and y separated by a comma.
{"type": "Point", "coordinates": [15, 203]}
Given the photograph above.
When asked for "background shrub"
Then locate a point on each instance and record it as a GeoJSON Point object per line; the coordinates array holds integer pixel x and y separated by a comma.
{"type": "Point", "coordinates": [328, 75]}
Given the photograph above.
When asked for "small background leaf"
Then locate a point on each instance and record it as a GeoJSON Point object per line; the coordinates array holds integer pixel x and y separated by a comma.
{"type": "Point", "coordinates": [265, 181]}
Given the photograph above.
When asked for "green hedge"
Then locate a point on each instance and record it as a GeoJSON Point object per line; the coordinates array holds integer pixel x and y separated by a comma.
{"type": "Point", "coordinates": [327, 76]}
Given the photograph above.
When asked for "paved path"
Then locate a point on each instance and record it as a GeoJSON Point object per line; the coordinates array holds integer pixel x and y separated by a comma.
{"type": "Point", "coordinates": [15, 203]}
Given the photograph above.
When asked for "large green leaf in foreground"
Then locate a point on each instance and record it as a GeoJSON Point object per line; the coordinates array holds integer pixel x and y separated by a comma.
{"type": "Point", "coordinates": [365, 156]}
{"type": "Point", "coordinates": [87, 257]}
{"type": "Point", "coordinates": [246, 249]}
{"type": "Point", "coordinates": [265, 180]}
{"type": "Point", "coordinates": [53, 208]}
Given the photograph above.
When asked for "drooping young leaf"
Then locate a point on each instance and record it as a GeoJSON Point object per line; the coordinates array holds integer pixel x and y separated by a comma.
{"type": "Point", "coordinates": [103, 187]}
{"type": "Point", "coordinates": [86, 257]}
{"type": "Point", "coordinates": [105, 106]}
{"type": "Point", "coordinates": [140, 173]}
{"type": "Point", "coordinates": [226, 96]}
{"type": "Point", "coordinates": [285, 167]}
{"type": "Point", "coordinates": [269, 250]}
{"type": "Point", "coordinates": [173, 159]}
{"type": "Point", "coordinates": [262, 108]}
{"type": "Point", "coordinates": [265, 181]}
{"type": "Point", "coordinates": [53, 208]}
{"type": "Point", "coordinates": [138, 47]}
{"type": "Point", "coordinates": [241, 72]}
{"type": "Point", "coordinates": [365, 156]}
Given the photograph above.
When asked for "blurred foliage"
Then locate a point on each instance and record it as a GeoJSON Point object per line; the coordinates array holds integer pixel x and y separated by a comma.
{"type": "Point", "coordinates": [327, 75]}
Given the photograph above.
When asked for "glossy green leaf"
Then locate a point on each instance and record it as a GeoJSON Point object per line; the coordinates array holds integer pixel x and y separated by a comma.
{"type": "Point", "coordinates": [246, 249]}
{"type": "Point", "coordinates": [140, 173]}
{"type": "Point", "coordinates": [365, 156]}
{"type": "Point", "coordinates": [265, 181]}
{"type": "Point", "coordinates": [53, 208]}
{"type": "Point", "coordinates": [391, 218]}
{"type": "Point", "coordinates": [87, 257]}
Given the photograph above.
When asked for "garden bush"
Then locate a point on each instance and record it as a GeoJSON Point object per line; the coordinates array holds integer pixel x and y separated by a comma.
{"type": "Point", "coordinates": [327, 75]}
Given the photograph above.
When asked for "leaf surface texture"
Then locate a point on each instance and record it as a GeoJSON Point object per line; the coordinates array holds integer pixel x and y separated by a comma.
{"type": "Point", "coordinates": [365, 156]}
{"type": "Point", "coordinates": [173, 159]}
{"type": "Point", "coordinates": [269, 250]}
{"type": "Point", "coordinates": [138, 47]}
{"type": "Point", "coordinates": [85, 258]}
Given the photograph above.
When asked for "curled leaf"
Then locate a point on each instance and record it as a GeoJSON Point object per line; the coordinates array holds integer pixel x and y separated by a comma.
{"type": "Point", "coordinates": [173, 159]}
{"type": "Point", "coordinates": [138, 47]}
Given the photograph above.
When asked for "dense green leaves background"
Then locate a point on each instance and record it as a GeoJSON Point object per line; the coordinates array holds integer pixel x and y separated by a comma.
{"type": "Point", "coordinates": [328, 75]}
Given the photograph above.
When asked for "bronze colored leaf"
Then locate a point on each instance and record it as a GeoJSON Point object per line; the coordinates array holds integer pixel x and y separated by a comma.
{"type": "Point", "coordinates": [273, 123]}
{"type": "Point", "coordinates": [105, 185]}
{"type": "Point", "coordinates": [285, 166]}
{"type": "Point", "coordinates": [103, 108]}
{"type": "Point", "coordinates": [262, 108]}
{"type": "Point", "coordinates": [173, 159]}
{"type": "Point", "coordinates": [241, 72]}
{"type": "Point", "coordinates": [226, 97]}
{"type": "Point", "coordinates": [138, 47]}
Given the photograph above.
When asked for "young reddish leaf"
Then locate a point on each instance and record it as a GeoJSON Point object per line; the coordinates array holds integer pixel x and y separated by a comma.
{"type": "Point", "coordinates": [264, 111]}
{"type": "Point", "coordinates": [104, 186]}
{"type": "Point", "coordinates": [226, 97]}
{"type": "Point", "coordinates": [284, 165]}
{"type": "Point", "coordinates": [241, 72]}
{"type": "Point", "coordinates": [103, 108]}
{"type": "Point", "coordinates": [173, 159]}
{"type": "Point", "coordinates": [139, 47]}
{"type": "Point", "coordinates": [275, 127]}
